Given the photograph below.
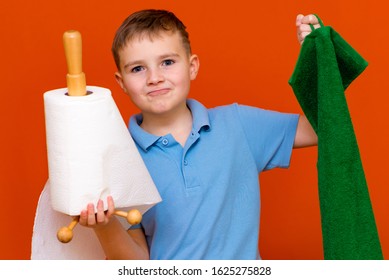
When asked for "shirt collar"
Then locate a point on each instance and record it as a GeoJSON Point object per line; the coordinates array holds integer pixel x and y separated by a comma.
{"type": "Point", "coordinates": [145, 140]}
{"type": "Point", "coordinates": [199, 115]}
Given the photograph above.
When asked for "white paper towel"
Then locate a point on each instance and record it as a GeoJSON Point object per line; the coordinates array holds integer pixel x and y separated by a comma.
{"type": "Point", "coordinates": [45, 245]}
{"type": "Point", "coordinates": [91, 155]}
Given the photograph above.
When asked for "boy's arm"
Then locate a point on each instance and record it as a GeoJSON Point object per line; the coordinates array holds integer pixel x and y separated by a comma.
{"type": "Point", "coordinates": [305, 135]}
{"type": "Point", "coordinates": [119, 244]}
{"type": "Point", "coordinates": [116, 242]}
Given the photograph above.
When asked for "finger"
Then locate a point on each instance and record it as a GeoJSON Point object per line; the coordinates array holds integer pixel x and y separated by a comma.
{"type": "Point", "coordinates": [316, 26]}
{"type": "Point", "coordinates": [303, 35]}
{"type": "Point", "coordinates": [303, 28]}
{"type": "Point", "coordinates": [83, 218]}
{"type": "Point", "coordinates": [298, 19]}
{"type": "Point", "coordinates": [91, 214]}
{"type": "Point", "coordinates": [310, 19]}
{"type": "Point", "coordinates": [111, 206]}
{"type": "Point", "coordinates": [100, 216]}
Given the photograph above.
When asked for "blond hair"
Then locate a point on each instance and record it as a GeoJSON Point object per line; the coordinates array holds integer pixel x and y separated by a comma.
{"type": "Point", "coordinates": [147, 22]}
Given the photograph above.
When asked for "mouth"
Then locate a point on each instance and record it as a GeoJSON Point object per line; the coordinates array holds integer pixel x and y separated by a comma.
{"type": "Point", "coordinates": [158, 92]}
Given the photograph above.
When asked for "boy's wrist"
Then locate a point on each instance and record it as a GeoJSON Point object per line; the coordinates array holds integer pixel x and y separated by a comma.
{"type": "Point", "coordinates": [101, 228]}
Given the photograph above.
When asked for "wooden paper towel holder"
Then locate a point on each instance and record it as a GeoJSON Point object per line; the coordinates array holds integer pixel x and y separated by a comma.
{"type": "Point", "coordinates": [76, 84]}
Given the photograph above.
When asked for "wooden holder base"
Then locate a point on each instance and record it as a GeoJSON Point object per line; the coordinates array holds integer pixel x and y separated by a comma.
{"type": "Point", "coordinates": [77, 87]}
{"type": "Point", "coordinates": [65, 234]}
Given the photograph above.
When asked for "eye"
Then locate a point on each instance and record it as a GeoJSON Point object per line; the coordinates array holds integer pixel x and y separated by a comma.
{"type": "Point", "coordinates": [137, 69]}
{"type": "Point", "coordinates": [167, 62]}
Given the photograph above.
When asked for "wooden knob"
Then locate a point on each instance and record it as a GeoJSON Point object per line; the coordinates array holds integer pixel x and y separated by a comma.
{"type": "Point", "coordinates": [133, 216]}
{"type": "Point", "coordinates": [65, 234]}
{"type": "Point", "coordinates": [75, 78]}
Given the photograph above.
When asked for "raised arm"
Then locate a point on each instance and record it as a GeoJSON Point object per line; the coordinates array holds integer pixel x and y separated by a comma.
{"type": "Point", "coordinates": [305, 135]}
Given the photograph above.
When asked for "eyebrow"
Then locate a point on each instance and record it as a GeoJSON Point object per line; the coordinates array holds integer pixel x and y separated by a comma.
{"type": "Point", "coordinates": [162, 57]}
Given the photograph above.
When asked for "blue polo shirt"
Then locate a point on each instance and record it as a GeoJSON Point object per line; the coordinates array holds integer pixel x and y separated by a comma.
{"type": "Point", "coordinates": [210, 205]}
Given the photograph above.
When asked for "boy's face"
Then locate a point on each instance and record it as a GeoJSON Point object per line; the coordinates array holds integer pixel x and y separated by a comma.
{"type": "Point", "coordinates": [156, 73]}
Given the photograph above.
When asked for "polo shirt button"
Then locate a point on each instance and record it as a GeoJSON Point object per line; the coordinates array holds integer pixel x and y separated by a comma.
{"type": "Point", "coordinates": [185, 162]}
{"type": "Point", "coordinates": [165, 141]}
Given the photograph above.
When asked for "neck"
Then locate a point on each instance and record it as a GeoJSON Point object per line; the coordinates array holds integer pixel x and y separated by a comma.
{"type": "Point", "coordinates": [178, 123]}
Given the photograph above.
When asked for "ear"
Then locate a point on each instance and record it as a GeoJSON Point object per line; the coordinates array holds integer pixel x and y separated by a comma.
{"type": "Point", "coordinates": [194, 65]}
{"type": "Point", "coordinates": [119, 80]}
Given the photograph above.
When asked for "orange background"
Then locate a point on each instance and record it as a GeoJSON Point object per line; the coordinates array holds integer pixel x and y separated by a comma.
{"type": "Point", "coordinates": [247, 49]}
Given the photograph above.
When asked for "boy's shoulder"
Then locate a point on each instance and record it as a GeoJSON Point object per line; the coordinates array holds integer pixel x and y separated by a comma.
{"type": "Point", "coordinates": [199, 109]}
{"type": "Point", "coordinates": [218, 108]}
{"type": "Point", "coordinates": [235, 111]}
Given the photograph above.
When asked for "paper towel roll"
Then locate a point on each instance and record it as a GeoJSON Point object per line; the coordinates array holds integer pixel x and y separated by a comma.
{"type": "Point", "coordinates": [91, 154]}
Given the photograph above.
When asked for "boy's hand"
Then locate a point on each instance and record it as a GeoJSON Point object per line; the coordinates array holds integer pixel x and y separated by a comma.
{"type": "Point", "coordinates": [91, 219]}
{"type": "Point", "coordinates": [303, 28]}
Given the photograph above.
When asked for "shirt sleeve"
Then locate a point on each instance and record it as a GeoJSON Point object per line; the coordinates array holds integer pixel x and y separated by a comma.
{"type": "Point", "coordinates": [270, 135]}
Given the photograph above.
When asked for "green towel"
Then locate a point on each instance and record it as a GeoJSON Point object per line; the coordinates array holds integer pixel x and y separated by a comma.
{"type": "Point", "coordinates": [326, 66]}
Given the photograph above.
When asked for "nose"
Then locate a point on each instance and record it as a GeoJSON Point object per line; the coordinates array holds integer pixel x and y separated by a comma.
{"type": "Point", "coordinates": [155, 76]}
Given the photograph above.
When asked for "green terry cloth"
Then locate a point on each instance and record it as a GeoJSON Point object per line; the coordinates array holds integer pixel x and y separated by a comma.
{"type": "Point", "coordinates": [326, 66]}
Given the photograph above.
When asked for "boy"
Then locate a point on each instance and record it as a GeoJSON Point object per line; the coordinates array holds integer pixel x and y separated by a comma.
{"type": "Point", "coordinates": [204, 162]}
